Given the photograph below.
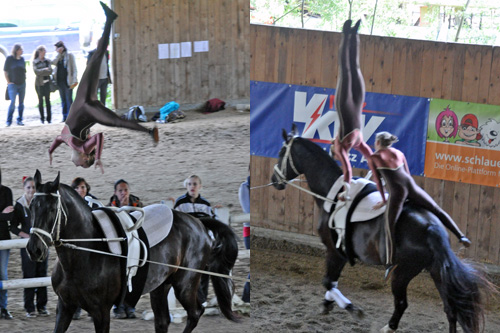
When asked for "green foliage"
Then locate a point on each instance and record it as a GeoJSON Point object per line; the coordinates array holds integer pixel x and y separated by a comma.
{"type": "Point", "coordinates": [396, 18]}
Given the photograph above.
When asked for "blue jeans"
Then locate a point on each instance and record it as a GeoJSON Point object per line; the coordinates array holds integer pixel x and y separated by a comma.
{"type": "Point", "coordinates": [14, 90]}
{"type": "Point", "coordinates": [66, 98]}
{"type": "Point", "coordinates": [4, 261]}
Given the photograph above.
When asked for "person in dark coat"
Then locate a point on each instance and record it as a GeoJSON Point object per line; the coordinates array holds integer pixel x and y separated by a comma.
{"type": "Point", "coordinates": [6, 213]}
{"type": "Point", "coordinates": [21, 225]}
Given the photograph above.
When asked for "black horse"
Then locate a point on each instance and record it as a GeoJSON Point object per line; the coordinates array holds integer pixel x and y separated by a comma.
{"type": "Point", "coordinates": [421, 243]}
{"type": "Point", "coordinates": [95, 281]}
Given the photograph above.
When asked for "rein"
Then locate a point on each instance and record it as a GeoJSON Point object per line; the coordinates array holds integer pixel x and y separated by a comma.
{"type": "Point", "coordinates": [280, 173]}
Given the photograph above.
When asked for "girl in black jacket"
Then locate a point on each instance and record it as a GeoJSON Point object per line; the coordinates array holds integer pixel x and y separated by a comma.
{"type": "Point", "coordinates": [21, 225]}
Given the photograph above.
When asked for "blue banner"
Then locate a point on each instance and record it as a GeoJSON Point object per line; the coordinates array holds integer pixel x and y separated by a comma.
{"type": "Point", "coordinates": [275, 106]}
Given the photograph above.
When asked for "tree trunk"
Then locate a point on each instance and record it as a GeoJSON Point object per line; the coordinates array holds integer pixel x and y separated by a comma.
{"type": "Point", "coordinates": [302, 14]}
{"type": "Point", "coordinates": [461, 21]}
{"type": "Point", "coordinates": [373, 19]}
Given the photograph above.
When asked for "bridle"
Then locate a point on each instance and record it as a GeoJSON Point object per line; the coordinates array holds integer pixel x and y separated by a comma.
{"type": "Point", "coordinates": [280, 173]}
{"type": "Point", "coordinates": [57, 223]}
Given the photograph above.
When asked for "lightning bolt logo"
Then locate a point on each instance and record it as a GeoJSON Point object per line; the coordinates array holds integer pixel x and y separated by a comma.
{"type": "Point", "coordinates": [316, 114]}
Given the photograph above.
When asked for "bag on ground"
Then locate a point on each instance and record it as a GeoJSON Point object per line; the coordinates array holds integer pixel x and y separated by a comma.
{"type": "Point", "coordinates": [167, 109]}
{"type": "Point", "coordinates": [136, 113]}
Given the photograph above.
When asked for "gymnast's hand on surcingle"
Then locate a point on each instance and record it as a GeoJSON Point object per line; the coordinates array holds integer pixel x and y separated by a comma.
{"type": "Point", "coordinates": [99, 163]}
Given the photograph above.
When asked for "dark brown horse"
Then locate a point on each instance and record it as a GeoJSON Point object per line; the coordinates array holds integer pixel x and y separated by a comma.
{"type": "Point", "coordinates": [95, 281]}
{"type": "Point", "coordinates": [421, 243]}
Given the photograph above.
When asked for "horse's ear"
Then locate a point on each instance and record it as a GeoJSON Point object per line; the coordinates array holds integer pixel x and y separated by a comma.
{"type": "Point", "coordinates": [284, 134]}
{"type": "Point", "coordinates": [38, 180]}
{"type": "Point", "coordinates": [37, 177]}
{"type": "Point", "coordinates": [55, 183]}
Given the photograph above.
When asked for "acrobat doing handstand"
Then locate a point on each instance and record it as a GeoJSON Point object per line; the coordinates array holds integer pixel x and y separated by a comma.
{"type": "Point", "coordinates": [87, 110]}
{"type": "Point", "coordinates": [349, 99]}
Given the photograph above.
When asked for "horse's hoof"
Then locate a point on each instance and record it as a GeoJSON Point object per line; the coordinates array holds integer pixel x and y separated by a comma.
{"type": "Point", "coordinates": [355, 311]}
{"type": "Point", "coordinates": [327, 306]}
{"type": "Point", "coordinates": [387, 329]}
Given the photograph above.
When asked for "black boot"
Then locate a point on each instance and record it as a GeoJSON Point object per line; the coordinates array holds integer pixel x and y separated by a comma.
{"type": "Point", "coordinates": [108, 12]}
{"type": "Point", "coordinates": [347, 27]}
{"type": "Point", "coordinates": [354, 30]}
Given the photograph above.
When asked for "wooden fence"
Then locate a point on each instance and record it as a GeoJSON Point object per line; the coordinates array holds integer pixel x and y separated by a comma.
{"type": "Point", "coordinates": [140, 77]}
{"type": "Point", "coordinates": [458, 72]}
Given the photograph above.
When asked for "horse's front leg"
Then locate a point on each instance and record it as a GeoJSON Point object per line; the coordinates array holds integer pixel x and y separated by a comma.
{"type": "Point", "coordinates": [102, 320]}
{"type": "Point", "coordinates": [64, 315]}
{"type": "Point", "coordinates": [335, 262]}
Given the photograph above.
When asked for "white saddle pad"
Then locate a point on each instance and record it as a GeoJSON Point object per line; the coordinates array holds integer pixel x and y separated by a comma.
{"type": "Point", "coordinates": [157, 222]}
{"type": "Point", "coordinates": [364, 210]}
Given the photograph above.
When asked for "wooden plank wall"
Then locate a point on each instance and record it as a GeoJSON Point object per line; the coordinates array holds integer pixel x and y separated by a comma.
{"type": "Point", "coordinates": [141, 78]}
{"type": "Point", "coordinates": [459, 72]}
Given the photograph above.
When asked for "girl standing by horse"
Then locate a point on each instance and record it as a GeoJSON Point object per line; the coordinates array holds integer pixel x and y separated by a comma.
{"type": "Point", "coordinates": [349, 99]}
{"type": "Point", "coordinates": [21, 225]}
{"type": "Point", "coordinates": [390, 163]}
{"type": "Point", "coordinates": [87, 110]}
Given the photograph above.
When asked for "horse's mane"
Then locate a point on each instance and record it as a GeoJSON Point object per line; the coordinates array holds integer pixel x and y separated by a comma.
{"type": "Point", "coordinates": [318, 152]}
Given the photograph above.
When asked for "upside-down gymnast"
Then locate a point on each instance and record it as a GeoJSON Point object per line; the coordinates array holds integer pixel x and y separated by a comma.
{"type": "Point", "coordinates": [87, 110]}
{"type": "Point", "coordinates": [349, 99]}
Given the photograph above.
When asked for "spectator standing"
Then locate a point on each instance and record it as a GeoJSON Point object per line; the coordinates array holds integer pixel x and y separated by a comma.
{"type": "Point", "coordinates": [15, 74]}
{"type": "Point", "coordinates": [6, 212]}
{"type": "Point", "coordinates": [66, 76]}
{"type": "Point", "coordinates": [42, 68]}
{"type": "Point", "coordinates": [192, 201]}
{"type": "Point", "coordinates": [21, 225]}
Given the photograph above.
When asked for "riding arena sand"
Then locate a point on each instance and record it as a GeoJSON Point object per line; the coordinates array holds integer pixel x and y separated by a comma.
{"type": "Point", "coordinates": [287, 295]}
{"type": "Point", "coordinates": [214, 146]}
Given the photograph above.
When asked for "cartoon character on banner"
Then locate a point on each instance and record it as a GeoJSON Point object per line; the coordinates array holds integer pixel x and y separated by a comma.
{"type": "Point", "coordinates": [447, 124]}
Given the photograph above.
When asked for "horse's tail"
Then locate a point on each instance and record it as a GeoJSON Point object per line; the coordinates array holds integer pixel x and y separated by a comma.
{"type": "Point", "coordinates": [462, 284]}
{"type": "Point", "coordinates": [222, 259]}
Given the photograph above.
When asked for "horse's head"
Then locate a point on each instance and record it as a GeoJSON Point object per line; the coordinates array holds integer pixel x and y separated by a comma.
{"type": "Point", "coordinates": [46, 210]}
{"type": "Point", "coordinates": [285, 169]}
